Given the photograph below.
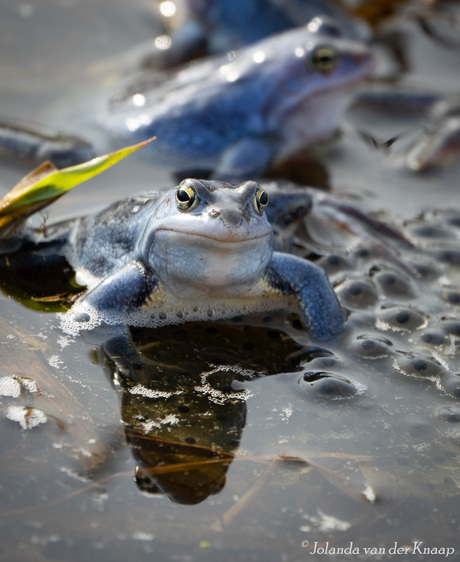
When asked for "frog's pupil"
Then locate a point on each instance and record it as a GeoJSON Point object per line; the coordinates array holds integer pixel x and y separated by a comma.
{"type": "Point", "coordinates": [324, 59]}
{"type": "Point", "coordinates": [263, 199]}
{"type": "Point", "coordinates": [183, 196]}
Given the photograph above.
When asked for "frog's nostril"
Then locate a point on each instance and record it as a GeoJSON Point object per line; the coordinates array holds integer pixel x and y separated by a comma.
{"type": "Point", "coordinates": [232, 218]}
{"type": "Point", "coordinates": [214, 213]}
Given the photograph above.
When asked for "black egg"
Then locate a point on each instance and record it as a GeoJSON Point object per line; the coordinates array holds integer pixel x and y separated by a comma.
{"type": "Point", "coordinates": [357, 294]}
{"type": "Point", "coordinates": [371, 348]}
{"type": "Point", "coordinates": [401, 318]}
{"type": "Point", "coordinates": [328, 385]}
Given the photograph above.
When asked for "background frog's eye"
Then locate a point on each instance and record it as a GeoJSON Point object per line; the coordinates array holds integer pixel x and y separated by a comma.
{"type": "Point", "coordinates": [186, 198]}
{"type": "Point", "coordinates": [323, 59]}
{"type": "Point", "coordinates": [260, 200]}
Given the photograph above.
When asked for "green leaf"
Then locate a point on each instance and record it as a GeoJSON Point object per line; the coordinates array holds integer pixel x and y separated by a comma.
{"type": "Point", "coordinates": [46, 183]}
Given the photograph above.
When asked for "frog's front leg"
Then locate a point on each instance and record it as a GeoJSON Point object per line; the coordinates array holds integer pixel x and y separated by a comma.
{"type": "Point", "coordinates": [121, 292]}
{"type": "Point", "coordinates": [317, 300]}
{"type": "Point", "coordinates": [246, 158]}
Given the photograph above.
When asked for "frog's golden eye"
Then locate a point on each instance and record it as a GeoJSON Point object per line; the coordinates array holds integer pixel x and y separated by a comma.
{"type": "Point", "coordinates": [186, 198]}
{"type": "Point", "coordinates": [260, 200]}
{"type": "Point", "coordinates": [323, 59]}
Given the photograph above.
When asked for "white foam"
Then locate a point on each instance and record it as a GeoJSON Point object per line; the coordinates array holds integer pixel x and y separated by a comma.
{"type": "Point", "coordinates": [26, 417]}
{"type": "Point", "coordinates": [13, 386]}
{"type": "Point", "coordinates": [166, 311]}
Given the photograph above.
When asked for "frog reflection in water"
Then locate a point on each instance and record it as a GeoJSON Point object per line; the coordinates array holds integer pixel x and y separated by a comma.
{"type": "Point", "coordinates": [184, 413]}
{"type": "Point", "coordinates": [237, 115]}
{"type": "Point", "coordinates": [201, 250]}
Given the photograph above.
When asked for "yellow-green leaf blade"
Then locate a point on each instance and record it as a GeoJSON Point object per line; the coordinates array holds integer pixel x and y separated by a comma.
{"type": "Point", "coordinates": [59, 182]}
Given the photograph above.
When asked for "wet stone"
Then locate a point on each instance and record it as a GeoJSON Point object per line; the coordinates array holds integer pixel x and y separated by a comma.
{"type": "Point", "coordinates": [392, 284]}
{"type": "Point", "coordinates": [357, 294]}
{"type": "Point", "coordinates": [401, 318]}
{"type": "Point", "coordinates": [329, 385]}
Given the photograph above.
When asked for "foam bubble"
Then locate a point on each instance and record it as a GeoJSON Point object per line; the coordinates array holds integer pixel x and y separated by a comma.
{"type": "Point", "coordinates": [86, 317]}
{"type": "Point", "coordinates": [26, 417]}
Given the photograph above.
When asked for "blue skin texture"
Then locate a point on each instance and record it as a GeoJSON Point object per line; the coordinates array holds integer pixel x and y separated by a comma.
{"type": "Point", "coordinates": [230, 117]}
{"type": "Point", "coordinates": [237, 115]}
{"type": "Point", "coordinates": [219, 26]}
{"type": "Point", "coordinates": [200, 251]}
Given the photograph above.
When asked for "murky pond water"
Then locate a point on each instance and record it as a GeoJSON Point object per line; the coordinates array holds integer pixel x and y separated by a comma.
{"type": "Point", "coordinates": [237, 440]}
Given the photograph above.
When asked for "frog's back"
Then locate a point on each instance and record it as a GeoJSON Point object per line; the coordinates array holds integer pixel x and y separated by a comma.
{"type": "Point", "coordinates": [103, 242]}
{"type": "Point", "coordinates": [194, 116]}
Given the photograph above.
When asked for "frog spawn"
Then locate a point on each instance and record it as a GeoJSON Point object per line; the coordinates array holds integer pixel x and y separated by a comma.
{"type": "Point", "coordinates": [397, 302]}
{"type": "Point", "coordinates": [401, 320]}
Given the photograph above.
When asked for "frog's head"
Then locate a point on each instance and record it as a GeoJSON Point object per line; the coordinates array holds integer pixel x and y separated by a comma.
{"type": "Point", "coordinates": [209, 236]}
{"type": "Point", "coordinates": [305, 79]}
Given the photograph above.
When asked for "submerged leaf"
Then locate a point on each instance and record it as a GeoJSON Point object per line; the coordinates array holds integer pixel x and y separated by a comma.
{"type": "Point", "coordinates": [46, 183]}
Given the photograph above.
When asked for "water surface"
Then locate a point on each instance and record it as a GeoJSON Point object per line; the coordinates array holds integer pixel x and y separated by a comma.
{"type": "Point", "coordinates": [236, 440]}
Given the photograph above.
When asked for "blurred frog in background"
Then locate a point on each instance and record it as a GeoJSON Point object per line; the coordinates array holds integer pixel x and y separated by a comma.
{"type": "Point", "coordinates": [237, 115]}
{"type": "Point", "coordinates": [210, 27]}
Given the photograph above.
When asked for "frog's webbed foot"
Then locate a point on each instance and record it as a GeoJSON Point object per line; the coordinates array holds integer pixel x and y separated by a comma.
{"type": "Point", "coordinates": [317, 300]}
{"type": "Point", "coordinates": [113, 299]}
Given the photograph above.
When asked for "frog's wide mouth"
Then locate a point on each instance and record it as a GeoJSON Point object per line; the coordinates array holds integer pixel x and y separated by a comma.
{"type": "Point", "coordinates": [229, 239]}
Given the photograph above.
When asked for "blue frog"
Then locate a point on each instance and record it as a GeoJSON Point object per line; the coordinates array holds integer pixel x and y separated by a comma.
{"type": "Point", "coordinates": [238, 115]}
{"type": "Point", "coordinates": [203, 250]}
{"type": "Point", "coordinates": [230, 117]}
{"type": "Point", "coordinates": [194, 27]}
